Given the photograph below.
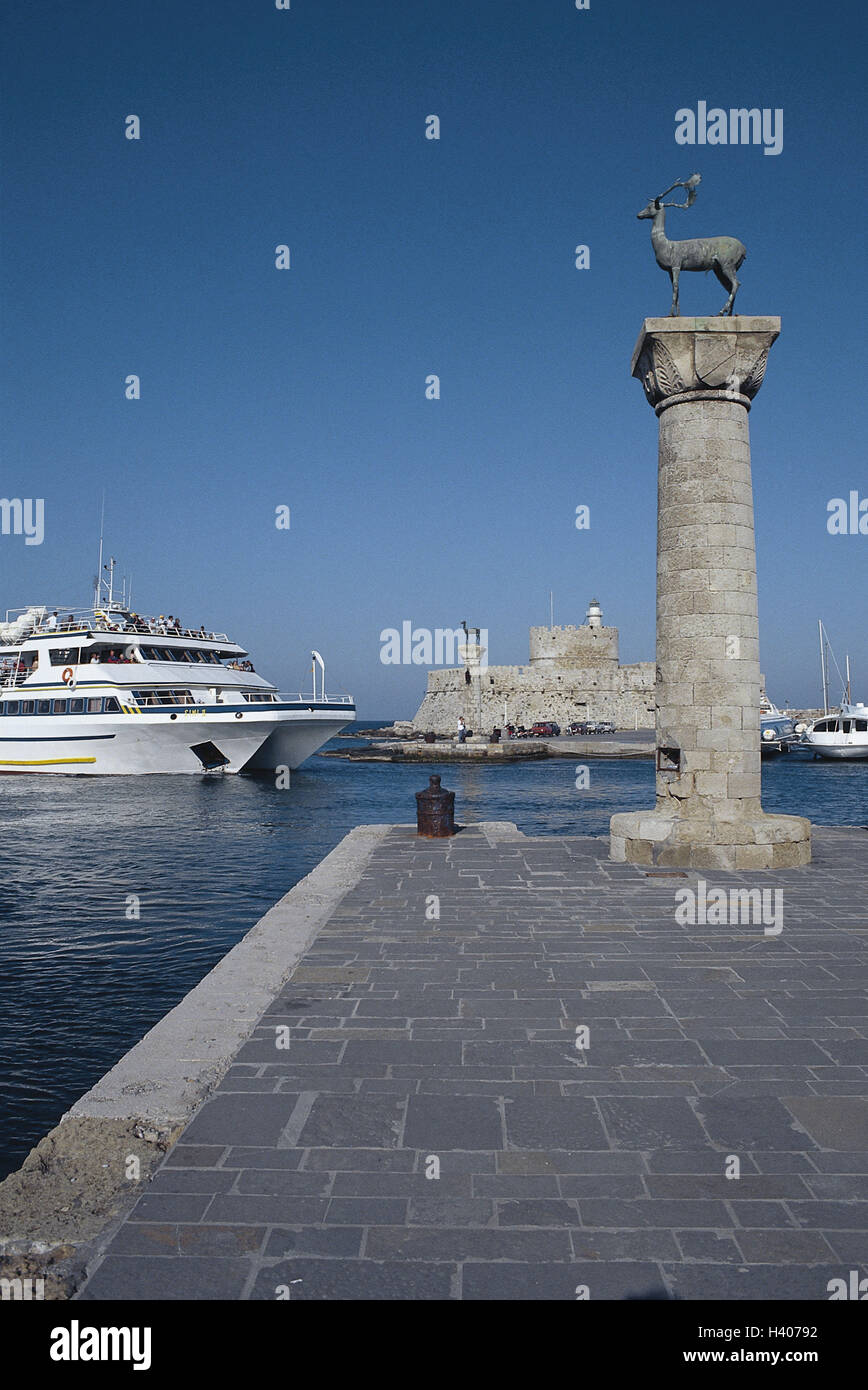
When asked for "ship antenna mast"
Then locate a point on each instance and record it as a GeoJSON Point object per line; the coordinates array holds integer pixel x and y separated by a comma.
{"type": "Point", "coordinates": [96, 587]}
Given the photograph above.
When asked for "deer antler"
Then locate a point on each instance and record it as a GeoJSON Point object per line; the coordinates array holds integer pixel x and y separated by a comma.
{"type": "Point", "coordinates": [689, 184]}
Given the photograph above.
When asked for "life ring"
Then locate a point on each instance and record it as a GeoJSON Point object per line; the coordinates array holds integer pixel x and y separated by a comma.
{"type": "Point", "coordinates": [68, 676]}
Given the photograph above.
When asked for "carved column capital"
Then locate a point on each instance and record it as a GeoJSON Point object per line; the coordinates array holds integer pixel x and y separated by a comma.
{"type": "Point", "coordinates": [678, 359]}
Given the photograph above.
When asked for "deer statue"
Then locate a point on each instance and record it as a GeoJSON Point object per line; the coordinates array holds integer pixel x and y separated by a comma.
{"type": "Point", "coordinates": [722, 254]}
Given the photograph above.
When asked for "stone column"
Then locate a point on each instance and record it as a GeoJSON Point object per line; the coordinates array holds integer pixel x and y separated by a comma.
{"type": "Point", "coordinates": [471, 654]}
{"type": "Point", "coordinates": [700, 375]}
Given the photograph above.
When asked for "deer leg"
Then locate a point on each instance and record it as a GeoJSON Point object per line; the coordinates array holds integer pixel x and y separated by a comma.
{"type": "Point", "coordinates": [727, 278]}
{"type": "Point", "coordinates": [673, 276]}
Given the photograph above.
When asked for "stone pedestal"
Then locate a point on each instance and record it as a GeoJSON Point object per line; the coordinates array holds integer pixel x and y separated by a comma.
{"type": "Point", "coordinates": [471, 653]}
{"type": "Point", "coordinates": [700, 376]}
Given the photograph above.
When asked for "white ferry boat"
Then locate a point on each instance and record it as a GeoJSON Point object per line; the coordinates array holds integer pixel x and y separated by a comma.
{"type": "Point", "coordinates": [105, 690]}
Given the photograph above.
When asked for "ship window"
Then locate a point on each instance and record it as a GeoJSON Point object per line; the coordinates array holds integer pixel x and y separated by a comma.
{"type": "Point", "coordinates": [112, 704]}
{"type": "Point", "coordinates": [59, 706]}
{"type": "Point", "coordinates": [63, 656]}
{"type": "Point", "coordinates": [861, 726]}
{"type": "Point", "coordinates": [28, 706]}
{"type": "Point", "coordinates": [94, 705]}
{"type": "Point", "coordinates": [149, 653]}
{"type": "Point", "coordinates": [846, 726]}
{"type": "Point", "coordinates": [822, 727]}
{"type": "Point", "coordinates": [76, 706]}
{"type": "Point", "coordinates": [11, 706]}
{"type": "Point", "coordinates": [43, 706]}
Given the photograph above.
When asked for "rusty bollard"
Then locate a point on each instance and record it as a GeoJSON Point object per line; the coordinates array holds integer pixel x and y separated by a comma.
{"type": "Point", "coordinates": [435, 811]}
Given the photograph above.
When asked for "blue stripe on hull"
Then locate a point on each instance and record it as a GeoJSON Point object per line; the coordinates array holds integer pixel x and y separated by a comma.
{"type": "Point", "coordinates": [56, 738]}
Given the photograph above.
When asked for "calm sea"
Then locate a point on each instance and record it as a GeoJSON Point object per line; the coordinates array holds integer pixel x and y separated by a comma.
{"type": "Point", "coordinates": [202, 858]}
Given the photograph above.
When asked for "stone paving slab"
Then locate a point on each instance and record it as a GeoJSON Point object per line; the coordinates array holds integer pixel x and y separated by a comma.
{"type": "Point", "coordinates": [411, 1117]}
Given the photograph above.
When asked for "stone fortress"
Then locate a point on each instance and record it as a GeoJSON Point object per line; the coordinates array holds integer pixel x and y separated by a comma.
{"type": "Point", "coordinates": [573, 673]}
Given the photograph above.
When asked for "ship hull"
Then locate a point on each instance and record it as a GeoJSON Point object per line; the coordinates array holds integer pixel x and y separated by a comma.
{"type": "Point", "coordinates": [128, 745]}
{"type": "Point", "coordinates": [848, 752]}
{"type": "Point", "coordinates": [298, 734]}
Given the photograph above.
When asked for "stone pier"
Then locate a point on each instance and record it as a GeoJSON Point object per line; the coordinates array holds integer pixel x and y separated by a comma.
{"type": "Point", "coordinates": [700, 375]}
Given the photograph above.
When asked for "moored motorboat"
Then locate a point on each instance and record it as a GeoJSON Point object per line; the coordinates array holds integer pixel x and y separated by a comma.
{"type": "Point", "coordinates": [777, 730]}
{"type": "Point", "coordinates": [841, 736]}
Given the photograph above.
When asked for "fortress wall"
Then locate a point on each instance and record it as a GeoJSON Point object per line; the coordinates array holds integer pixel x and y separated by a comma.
{"type": "Point", "coordinates": [573, 648]}
{"type": "Point", "coordinates": [622, 695]}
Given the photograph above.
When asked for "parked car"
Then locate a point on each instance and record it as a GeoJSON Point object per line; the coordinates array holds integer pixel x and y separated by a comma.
{"type": "Point", "coordinates": [605, 726]}
{"type": "Point", "coordinates": [545, 728]}
{"type": "Point", "coordinates": [583, 726]}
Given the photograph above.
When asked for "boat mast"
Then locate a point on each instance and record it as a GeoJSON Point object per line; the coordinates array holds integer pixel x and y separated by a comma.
{"type": "Point", "coordinates": [823, 669]}
{"type": "Point", "coordinates": [849, 698]}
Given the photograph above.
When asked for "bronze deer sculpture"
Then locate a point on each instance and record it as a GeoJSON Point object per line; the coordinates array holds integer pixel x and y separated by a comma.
{"type": "Point", "coordinates": [722, 254]}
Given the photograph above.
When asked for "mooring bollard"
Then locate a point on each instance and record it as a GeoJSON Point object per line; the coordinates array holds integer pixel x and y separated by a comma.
{"type": "Point", "coordinates": [435, 811]}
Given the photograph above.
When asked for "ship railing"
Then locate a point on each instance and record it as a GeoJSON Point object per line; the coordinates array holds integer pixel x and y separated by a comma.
{"type": "Point", "coordinates": [96, 620]}
{"type": "Point", "coordinates": [306, 698]}
{"type": "Point", "coordinates": [11, 678]}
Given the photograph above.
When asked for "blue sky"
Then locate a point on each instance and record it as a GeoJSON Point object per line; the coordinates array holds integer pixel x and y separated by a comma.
{"type": "Point", "coordinates": [306, 387]}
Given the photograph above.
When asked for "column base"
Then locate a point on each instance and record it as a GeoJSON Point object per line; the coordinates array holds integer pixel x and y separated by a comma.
{"type": "Point", "coordinates": [685, 842]}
